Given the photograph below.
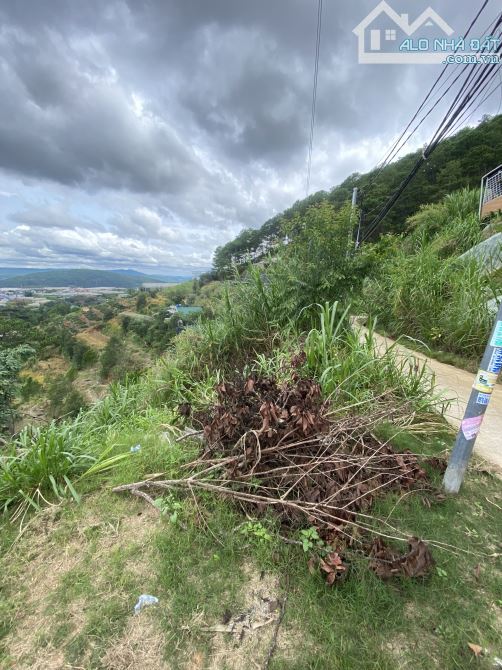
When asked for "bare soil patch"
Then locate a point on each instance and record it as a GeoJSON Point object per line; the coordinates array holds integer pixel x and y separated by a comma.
{"type": "Point", "coordinates": [43, 560]}
{"type": "Point", "coordinates": [93, 338]}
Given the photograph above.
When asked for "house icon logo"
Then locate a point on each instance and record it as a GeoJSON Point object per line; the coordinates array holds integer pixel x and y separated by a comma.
{"type": "Point", "coordinates": [382, 32]}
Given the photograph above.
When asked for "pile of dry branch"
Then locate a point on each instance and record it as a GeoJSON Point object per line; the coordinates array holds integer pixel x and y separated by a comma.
{"type": "Point", "coordinates": [276, 447]}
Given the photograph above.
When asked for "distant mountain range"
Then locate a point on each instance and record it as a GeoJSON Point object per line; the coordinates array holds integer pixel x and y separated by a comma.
{"type": "Point", "coordinates": [170, 279]}
{"type": "Point", "coordinates": [38, 278]}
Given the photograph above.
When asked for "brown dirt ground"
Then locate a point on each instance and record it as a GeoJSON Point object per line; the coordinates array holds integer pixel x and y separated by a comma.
{"type": "Point", "coordinates": [141, 646]}
{"type": "Point", "coordinates": [253, 628]}
{"type": "Point", "coordinates": [45, 370]}
{"type": "Point", "coordinates": [44, 563]}
{"type": "Point", "coordinates": [93, 338]}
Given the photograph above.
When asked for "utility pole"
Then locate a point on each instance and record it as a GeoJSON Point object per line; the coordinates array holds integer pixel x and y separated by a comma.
{"type": "Point", "coordinates": [354, 205]}
{"type": "Point", "coordinates": [482, 389]}
{"type": "Point", "coordinates": [358, 235]}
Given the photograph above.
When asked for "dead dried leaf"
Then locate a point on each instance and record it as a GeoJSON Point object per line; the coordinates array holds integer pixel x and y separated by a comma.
{"type": "Point", "coordinates": [475, 648]}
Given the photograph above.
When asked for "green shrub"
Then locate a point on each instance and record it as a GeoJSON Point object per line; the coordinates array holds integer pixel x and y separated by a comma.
{"type": "Point", "coordinates": [65, 400]}
{"type": "Point", "coordinates": [30, 388]}
{"type": "Point", "coordinates": [48, 461]}
{"type": "Point", "coordinates": [111, 355]}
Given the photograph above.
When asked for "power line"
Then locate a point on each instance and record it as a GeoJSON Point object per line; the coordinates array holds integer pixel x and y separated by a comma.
{"type": "Point", "coordinates": [314, 93]}
{"type": "Point", "coordinates": [464, 119]}
{"type": "Point", "coordinates": [398, 144]}
{"type": "Point", "coordinates": [470, 90]}
{"type": "Point", "coordinates": [483, 80]}
{"type": "Point", "coordinates": [467, 115]}
{"type": "Point", "coordinates": [500, 103]}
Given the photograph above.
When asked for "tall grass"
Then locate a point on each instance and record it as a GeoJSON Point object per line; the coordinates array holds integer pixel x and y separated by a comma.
{"type": "Point", "coordinates": [47, 462]}
{"type": "Point", "coordinates": [425, 291]}
{"type": "Point", "coordinates": [353, 369]}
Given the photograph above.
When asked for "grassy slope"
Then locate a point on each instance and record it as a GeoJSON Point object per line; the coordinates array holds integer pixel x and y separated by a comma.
{"type": "Point", "coordinates": [71, 580]}
{"type": "Point", "coordinates": [68, 596]}
{"type": "Point", "coordinates": [419, 287]}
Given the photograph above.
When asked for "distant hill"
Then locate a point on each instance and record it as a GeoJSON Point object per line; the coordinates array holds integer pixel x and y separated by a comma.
{"type": "Point", "coordinates": [458, 162]}
{"type": "Point", "coordinates": [170, 279]}
{"type": "Point", "coordinates": [76, 278]}
{"type": "Point", "coordinates": [5, 273]}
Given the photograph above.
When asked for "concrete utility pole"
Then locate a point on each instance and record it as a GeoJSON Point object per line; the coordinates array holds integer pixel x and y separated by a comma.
{"type": "Point", "coordinates": [354, 205]}
{"type": "Point", "coordinates": [485, 381]}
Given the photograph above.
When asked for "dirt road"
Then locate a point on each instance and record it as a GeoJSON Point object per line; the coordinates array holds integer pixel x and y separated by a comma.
{"type": "Point", "coordinates": [456, 384]}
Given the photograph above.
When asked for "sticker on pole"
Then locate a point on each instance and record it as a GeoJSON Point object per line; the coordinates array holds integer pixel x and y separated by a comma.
{"type": "Point", "coordinates": [483, 399]}
{"type": "Point", "coordinates": [495, 364]}
{"type": "Point", "coordinates": [485, 381]}
{"type": "Point", "coordinates": [496, 340]}
{"type": "Point", "coordinates": [470, 427]}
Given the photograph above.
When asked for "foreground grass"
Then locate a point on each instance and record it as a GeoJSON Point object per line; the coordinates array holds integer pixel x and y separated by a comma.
{"type": "Point", "coordinates": [70, 582]}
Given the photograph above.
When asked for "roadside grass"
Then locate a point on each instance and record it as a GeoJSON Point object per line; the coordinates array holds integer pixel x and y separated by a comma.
{"type": "Point", "coordinates": [68, 596]}
{"type": "Point", "coordinates": [71, 579]}
{"type": "Point", "coordinates": [423, 288]}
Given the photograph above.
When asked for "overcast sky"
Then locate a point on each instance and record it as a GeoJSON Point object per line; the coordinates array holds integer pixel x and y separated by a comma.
{"type": "Point", "coordinates": [145, 133]}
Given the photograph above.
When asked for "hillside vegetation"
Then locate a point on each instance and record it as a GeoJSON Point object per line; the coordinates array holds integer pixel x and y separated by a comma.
{"type": "Point", "coordinates": [61, 356]}
{"type": "Point", "coordinates": [268, 477]}
{"type": "Point", "coordinates": [421, 288]}
{"type": "Point", "coordinates": [458, 162]}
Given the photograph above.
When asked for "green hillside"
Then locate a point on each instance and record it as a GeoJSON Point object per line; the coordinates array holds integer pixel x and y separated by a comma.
{"type": "Point", "coordinates": [81, 278]}
{"type": "Point", "coordinates": [458, 162]}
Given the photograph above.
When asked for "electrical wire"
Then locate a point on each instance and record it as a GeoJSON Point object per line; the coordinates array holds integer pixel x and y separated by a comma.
{"type": "Point", "coordinates": [398, 145]}
{"type": "Point", "coordinates": [471, 89]}
{"type": "Point", "coordinates": [464, 120]}
{"type": "Point", "coordinates": [439, 135]}
{"type": "Point", "coordinates": [466, 115]}
{"type": "Point", "coordinates": [314, 93]}
{"type": "Point", "coordinates": [500, 103]}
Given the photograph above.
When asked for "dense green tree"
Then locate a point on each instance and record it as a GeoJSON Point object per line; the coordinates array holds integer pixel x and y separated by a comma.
{"type": "Point", "coordinates": [29, 388]}
{"type": "Point", "coordinates": [317, 260]}
{"type": "Point", "coordinates": [111, 355]}
{"type": "Point", "coordinates": [108, 313]}
{"type": "Point", "coordinates": [11, 362]}
{"type": "Point", "coordinates": [126, 323]}
{"type": "Point", "coordinates": [141, 301]}
{"type": "Point", "coordinates": [65, 400]}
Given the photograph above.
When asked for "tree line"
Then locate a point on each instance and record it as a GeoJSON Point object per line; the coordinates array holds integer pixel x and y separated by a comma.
{"type": "Point", "coordinates": [458, 162]}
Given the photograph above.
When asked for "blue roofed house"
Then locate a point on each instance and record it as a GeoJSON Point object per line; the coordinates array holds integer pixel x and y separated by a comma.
{"type": "Point", "coordinates": [382, 31]}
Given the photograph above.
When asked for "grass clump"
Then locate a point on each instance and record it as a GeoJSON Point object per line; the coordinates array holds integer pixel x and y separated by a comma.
{"type": "Point", "coordinates": [424, 290]}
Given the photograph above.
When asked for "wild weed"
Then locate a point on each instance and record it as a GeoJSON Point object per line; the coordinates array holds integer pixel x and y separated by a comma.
{"type": "Point", "coordinates": [353, 369]}
{"type": "Point", "coordinates": [47, 462]}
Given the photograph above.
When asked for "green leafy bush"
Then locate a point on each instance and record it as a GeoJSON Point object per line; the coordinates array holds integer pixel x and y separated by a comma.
{"type": "Point", "coordinates": [65, 400]}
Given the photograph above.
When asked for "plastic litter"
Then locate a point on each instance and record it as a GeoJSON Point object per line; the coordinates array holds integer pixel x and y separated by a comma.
{"type": "Point", "coordinates": [144, 601]}
{"type": "Point", "coordinates": [497, 662]}
{"type": "Point", "coordinates": [135, 449]}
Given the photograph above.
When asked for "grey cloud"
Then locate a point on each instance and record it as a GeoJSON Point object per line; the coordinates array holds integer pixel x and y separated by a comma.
{"type": "Point", "coordinates": [66, 122]}
{"type": "Point", "coordinates": [53, 215]}
{"type": "Point", "coordinates": [174, 124]}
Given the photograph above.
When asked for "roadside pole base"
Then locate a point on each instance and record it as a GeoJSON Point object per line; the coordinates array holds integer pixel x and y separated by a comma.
{"type": "Point", "coordinates": [453, 477]}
